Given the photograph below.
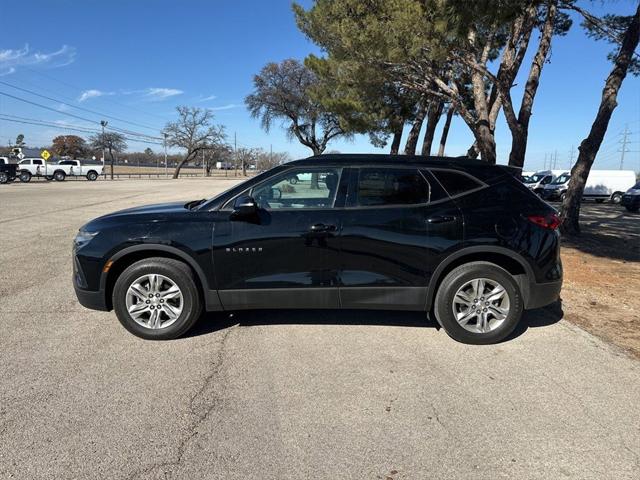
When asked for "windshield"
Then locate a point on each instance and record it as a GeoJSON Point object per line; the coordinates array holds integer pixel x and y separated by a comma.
{"type": "Point", "coordinates": [536, 177]}
{"type": "Point", "coordinates": [564, 178]}
{"type": "Point", "coordinates": [526, 178]}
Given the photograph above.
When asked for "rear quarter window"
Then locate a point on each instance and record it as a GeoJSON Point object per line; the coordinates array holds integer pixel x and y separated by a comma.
{"type": "Point", "coordinates": [456, 183]}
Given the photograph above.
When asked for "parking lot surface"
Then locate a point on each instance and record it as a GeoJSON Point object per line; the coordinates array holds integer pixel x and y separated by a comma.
{"type": "Point", "coordinates": [283, 395]}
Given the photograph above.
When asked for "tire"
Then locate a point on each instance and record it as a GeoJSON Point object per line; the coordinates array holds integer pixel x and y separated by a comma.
{"type": "Point", "coordinates": [538, 191]}
{"type": "Point", "coordinates": [599, 200]}
{"type": "Point", "coordinates": [59, 176]}
{"type": "Point", "coordinates": [496, 329]}
{"type": "Point", "coordinates": [4, 178]}
{"type": "Point", "coordinates": [169, 272]}
{"type": "Point", "coordinates": [92, 176]}
{"type": "Point", "coordinates": [563, 195]}
{"type": "Point", "coordinates": [293, 180]}
{"type": "Point", "coordinates": [616, 198]}
{"type": "Point", "coordinates": [25, 176]}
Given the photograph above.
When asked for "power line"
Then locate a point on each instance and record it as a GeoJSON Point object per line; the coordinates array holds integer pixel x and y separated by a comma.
{"type": "Point", "coordinates": [77, 88]}
{"type": "Point", "coordinates": [78, 117]}
{"type": "Point", "coordinates": [77, 107]}
{"type": "Point", "coordinates": [42, 123]}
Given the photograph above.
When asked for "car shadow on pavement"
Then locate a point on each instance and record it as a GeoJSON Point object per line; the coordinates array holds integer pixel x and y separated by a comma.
{"type": "Point", "coordinates": [215, 321]}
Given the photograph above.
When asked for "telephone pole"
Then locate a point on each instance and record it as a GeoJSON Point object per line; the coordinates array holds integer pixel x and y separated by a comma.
{"type": "Point", "coordinates": [571, 154]}
{"type": "Point", "coordinates": [555, 159]}
{"type": "Point", "coordinates": [166, 168]}
{"type": "Point", "coordinates": [103, 123]}
{"type": "Point", "coordinates": [545, 162]}
{"type": "Point", "coordinates": [624, 142]}
{"type": "Point", "coordinates": [235, 155]}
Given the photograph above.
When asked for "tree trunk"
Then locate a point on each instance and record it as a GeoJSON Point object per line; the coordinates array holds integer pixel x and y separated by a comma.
{"type": "Point", "coordinates": [435, 112]}
{"type": "Point", "coordinates": [521, 133]}
{"type": "Point", "coordinates": [414, 133]}
{"type": "Point", "coordinates": [486, 144]}
{"type": "Point", "coordinates": [112, 162]}
{"type": "Point", "coordinates": [590, 145]}
{"type": "Point", "coordinates": [186, 159]}
{"type": "Point", "coordinates": [445, 130]}
{"type": "Point", "coordinates": [395, 144]}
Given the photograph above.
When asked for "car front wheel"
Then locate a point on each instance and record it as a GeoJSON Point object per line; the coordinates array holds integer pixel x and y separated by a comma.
{"type": "Point", "coordinates": [157, 299]}
{"type": "Point", "coordinates": [478, 303]}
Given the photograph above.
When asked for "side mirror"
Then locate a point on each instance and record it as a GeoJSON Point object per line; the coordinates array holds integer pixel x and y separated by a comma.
{"type": "Point", "coordinates": [244, 207]}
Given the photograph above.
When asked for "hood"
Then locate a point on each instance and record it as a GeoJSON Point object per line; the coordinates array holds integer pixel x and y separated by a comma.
{"type": "Point", "coordinates": [138, 215]}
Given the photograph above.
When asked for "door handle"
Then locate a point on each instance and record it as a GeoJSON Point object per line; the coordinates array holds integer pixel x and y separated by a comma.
{"type": "Point", "coordinates": [441, 219]}
{"type": "Point", "coordinates": [322, 228]}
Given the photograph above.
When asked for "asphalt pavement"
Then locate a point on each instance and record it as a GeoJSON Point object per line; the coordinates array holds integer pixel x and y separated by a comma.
{"type": "Point", "coordinates": [278, 394]}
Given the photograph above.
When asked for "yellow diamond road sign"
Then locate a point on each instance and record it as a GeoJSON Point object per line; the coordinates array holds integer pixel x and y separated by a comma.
{"type": "Point", "coordinates": [45, 154]}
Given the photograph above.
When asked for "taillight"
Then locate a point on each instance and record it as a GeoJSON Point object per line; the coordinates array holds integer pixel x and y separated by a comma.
{"type": "Point", "coordinates": [550, 221]}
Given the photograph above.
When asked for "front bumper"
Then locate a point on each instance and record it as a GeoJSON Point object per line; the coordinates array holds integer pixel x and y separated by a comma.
{"type": "Point", "coordinates": [631, 201]}
{"type": "Point", "coordinates": [551, 194]}
{"type": "Point", "coordinates": [90, 299]}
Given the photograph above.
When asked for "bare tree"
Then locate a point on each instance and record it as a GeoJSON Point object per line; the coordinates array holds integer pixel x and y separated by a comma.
{"type": "Point", "coordinates": [282, 92]}
{"type": "Point", "coordinates": [194, 131]}
{"type": "Point", "coordinates": [113, 142]}
{"type": "Point", "coordinates": [590, 145]}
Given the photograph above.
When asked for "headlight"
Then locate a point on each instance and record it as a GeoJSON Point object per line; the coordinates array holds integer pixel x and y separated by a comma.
{"type": "Point", "coordinates": [83, 237]}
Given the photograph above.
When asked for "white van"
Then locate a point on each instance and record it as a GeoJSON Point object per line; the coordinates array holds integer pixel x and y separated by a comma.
{"type": "Point", "coordinates": [601, 185]}
{"type": "Point", "coordinates": [540, 179]}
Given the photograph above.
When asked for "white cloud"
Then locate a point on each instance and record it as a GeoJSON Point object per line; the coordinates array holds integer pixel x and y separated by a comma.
{"type": "Point", "coordinates": [225, 107]}
{"type": "Point", "coordinates": [93, 93]}
{"type": "Point", "coordinates": [11, 59]}
{"type": "Point", "coordinates": [206, 99]}
{"type": "Point", "coordinates": [155, 93]}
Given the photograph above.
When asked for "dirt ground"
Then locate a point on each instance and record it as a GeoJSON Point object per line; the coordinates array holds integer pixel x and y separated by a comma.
{"type": "Point", "coordinates": [601, 291]}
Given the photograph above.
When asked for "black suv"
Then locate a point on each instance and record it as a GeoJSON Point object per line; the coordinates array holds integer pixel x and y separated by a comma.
{"type": "Point", "coordinates": [456, 238]}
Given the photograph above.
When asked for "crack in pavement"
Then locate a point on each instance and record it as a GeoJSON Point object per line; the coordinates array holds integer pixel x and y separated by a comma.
{"type": "Point", "coordinates": [200, 414]}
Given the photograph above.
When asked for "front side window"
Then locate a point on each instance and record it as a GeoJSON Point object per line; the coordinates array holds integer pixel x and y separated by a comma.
{"type": "Point", "coordinates": [25, 162]}
{"type": "Point", "coordinates": [299, 188]}
{"type": "Point", "coordinates": [561, 179]}
{"type": "Point", "coordinates": [391, 186]}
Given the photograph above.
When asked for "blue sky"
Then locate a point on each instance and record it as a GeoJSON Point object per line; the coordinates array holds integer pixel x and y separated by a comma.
{"type": "Point", "coordinates": [137, 60]}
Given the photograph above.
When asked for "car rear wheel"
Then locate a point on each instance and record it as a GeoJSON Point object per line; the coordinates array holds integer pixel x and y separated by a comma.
{"type": "Point", "coordinates": [478, 303]}
{"type": "Point", "coordinates": [25, 176]}
{"type": "Point", "coordinates": [59, 176]}
{"type": "Point", "coordinates": [157, 299]}
{"type": "Point", "coordinates": [92, 176]}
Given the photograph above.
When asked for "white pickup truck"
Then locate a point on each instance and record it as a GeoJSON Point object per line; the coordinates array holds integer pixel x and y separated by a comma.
{"type": "Point", "coordinates": [37, 167]}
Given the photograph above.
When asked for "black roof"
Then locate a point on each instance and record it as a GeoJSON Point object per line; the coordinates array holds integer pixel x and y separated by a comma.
{"type": "Point", "coordinates": [478, 168]}
{"type": "Point", "coordinates": [368, 158]}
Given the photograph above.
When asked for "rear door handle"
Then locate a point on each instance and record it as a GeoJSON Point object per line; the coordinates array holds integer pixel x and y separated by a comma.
{"type": "Point", "coordinates": [321, 228]}
{"type": "Point", "coordinates": [441, 219]}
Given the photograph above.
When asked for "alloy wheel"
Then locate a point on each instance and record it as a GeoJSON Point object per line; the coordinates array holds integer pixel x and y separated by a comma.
{"type": "Point", "coordinates": [154, 301]}
{"type": "Point", "coordinates": [481, 305]}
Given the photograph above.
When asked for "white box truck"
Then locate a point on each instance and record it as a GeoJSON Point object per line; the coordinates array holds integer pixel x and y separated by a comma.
{"type": "Point", "coordinates": [601, 185]}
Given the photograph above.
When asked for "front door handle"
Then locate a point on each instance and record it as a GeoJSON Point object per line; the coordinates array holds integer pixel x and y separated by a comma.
{"type": "Point", "coordinates": [441, 219]}
{"type": "Point", "coordinates": [322, 228]}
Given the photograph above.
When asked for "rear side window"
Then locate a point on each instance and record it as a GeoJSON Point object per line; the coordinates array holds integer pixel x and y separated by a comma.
{"type": "Point", "coordinates": [389, 186]}
{"type": "Point", "coordinates": [37, 162]}
{"type": "Point", "coordinates": [456, 183]}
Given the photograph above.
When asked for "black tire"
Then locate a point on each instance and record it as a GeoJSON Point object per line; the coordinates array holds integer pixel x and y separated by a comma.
{"type": "Point", "coordinates": [92, 176]}
{"type": "Point", "coordinates": [4, 178]}
{"type": "Point", "coordinates": [59, 176]}
{"type": "Point", "coordinates": [456, 279]}
{"type": "Point", "coordinates": [177, 272]}
{"type": "Point", "coordinates": [293, 180]}
{"type": "Point", "coordinates": [563, 195]}
{"type": "Point", "coordinates": [25, 176]}
{"type": "Point", "coordinates": [616, 198]}
{"type": "Point", "coordinates": [599, 200]}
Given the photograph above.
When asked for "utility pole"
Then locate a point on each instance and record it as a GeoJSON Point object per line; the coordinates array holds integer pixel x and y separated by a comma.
{"type": "Point", "coordinates": [555, 159]}
{"type": "Point", "coordinates": [270, 155]}
{"type": "Point", "coordinates": [624, 142]}
{"type": "Point", "coordinates": [103, 123]}
{"type": "Point", "coordinates": [235, 155]}
{"type": "Point", "coordinates": [571, 155]}
{"type": "Point", "coordinates": [545, 162]}
{"type": "Point", "coordinates": [204, 171]}
{"type": "Point", "coordinates": [166, 168]}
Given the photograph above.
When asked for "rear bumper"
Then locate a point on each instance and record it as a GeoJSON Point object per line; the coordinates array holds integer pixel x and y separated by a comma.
{"type": "Point", "coordinates": [542, 294]}
{"type": "Point", "coordinates": [90, 299]}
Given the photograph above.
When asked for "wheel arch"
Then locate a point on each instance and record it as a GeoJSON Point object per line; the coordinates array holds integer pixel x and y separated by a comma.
{"type": "Point", "coordinates": [127, 256]}
{"type": "Point", "coordinates": [512, 262]}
